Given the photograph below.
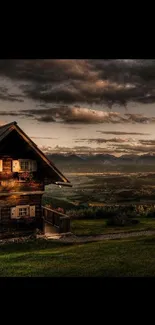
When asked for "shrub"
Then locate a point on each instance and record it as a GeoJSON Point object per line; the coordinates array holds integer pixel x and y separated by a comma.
{"type": "Point", "coordinates": [135, 221]}
{"type": "Point", "coordinates": [92, 213]}
{"type": "Point", "coordinates": [104, 212]}
{"type": "Point", "coordinates": [119, 220]}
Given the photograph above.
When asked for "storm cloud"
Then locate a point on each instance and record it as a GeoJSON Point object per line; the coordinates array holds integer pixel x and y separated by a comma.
{"type": "Point", "coordinates": [83, 81]}
{"type": "Point", "coordinates": [6, 95]}
{"type": "Point", "coordinates": [122, 133]}
{"type": "Point", "coordinates": [73, 115]}
{"type": "Point", "coordinates": [140, 118]}
{"type": "Point", "coordinates": [147, 142]}
{"type": "Point", "coordinates": [58, 97]}
{"type": "Point", "coordinates": [16, 113]}
{"type": "Point", "coordinates": [67, 114]}
{"type": "Point", "coordinates": [47, 138]}
{"type": "Point", "coordinates": [82, 115]}
{"type": "Point", "coordinates": [100, 140]}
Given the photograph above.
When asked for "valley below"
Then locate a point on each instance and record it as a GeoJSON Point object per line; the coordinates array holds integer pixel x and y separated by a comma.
{"type": "Point", "coordinates": [104, 180]}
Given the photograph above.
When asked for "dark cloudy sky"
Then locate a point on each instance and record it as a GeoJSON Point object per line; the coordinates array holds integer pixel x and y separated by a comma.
{"type": "Point", "coordinates": [82, 105]}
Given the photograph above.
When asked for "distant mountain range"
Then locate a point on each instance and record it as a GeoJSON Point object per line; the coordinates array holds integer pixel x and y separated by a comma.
{"type": "Point", "coordinates": [101, 159]}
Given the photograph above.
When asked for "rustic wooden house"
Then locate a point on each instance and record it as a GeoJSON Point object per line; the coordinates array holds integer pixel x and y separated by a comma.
{"type": "Point", "coordinates": [24, 172]}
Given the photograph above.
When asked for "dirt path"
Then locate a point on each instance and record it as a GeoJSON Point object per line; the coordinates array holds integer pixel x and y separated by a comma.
{"type": "Point", "coordinates": [79, 239]}
{"type": "Point", "coordinates": [85, 239]}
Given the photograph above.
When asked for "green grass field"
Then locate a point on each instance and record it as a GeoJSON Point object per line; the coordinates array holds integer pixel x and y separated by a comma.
{"type": "Point", "coordinates": [98, 226]}
{"type": "Point", "coordinates": [125, 257]}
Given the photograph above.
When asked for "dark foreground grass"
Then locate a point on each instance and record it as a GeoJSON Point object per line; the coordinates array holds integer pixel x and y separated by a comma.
{"type": "Point", "coordinates": [129, 257]}
{"type": "Point", "coordinates": [98, 226]}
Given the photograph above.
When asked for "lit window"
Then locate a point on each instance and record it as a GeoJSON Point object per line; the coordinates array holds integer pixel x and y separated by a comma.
{"type": "Point", "coordinates": [23, 212]}
{"type": "Point", "coordinates": [25, 165]}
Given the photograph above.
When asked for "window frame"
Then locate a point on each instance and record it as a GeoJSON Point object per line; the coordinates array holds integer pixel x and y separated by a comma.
{"type": "Point", "coordinates": [23, 212]}
{"type": "Point", "coordinates": [18, 207]}
{"type": "Point", "coordinates": [31, 211]}
{"type": "Point", "coordinates": [17, 165]}
{"type": "Point", "coordinates": [30, 163]}
{"type": "Point", "coordinates": [24, 162]}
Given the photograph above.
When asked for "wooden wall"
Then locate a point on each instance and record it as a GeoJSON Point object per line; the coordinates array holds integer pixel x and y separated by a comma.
{"type": "Point", "coordinates": [7, 165]}
{"type": "Point", "coordinates": [9, 181]}
{"type": "Point", "coordinates": [13, 185]}
{"type": "Point", "coordinates": [11, 201]}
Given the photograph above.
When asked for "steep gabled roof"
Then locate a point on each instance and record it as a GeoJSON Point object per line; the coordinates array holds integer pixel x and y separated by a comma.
{"type": "Point", "coordinates": [7, 128]}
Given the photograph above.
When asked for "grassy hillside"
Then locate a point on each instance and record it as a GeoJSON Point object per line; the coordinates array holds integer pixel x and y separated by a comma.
{"type": "Point", "coordinates": [129, 257]}
{"type": "Point", "coordinates": [98, 227]}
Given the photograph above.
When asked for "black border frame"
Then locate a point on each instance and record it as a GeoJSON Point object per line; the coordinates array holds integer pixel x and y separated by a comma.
{"type": "Point", "coordinates": [83, 45]}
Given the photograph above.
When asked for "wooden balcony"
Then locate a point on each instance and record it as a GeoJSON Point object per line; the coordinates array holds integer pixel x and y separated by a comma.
{"type": "Point", "coordinates": [59, 222]}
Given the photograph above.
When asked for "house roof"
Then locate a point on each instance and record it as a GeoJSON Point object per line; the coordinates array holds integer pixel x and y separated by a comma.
{"type": "Point", "coordinates": [7, 128]}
